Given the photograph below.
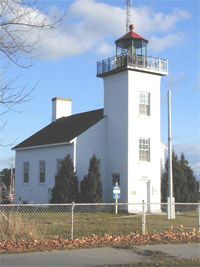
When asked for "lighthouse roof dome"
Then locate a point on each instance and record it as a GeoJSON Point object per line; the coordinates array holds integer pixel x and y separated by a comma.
{"type": "Point", "coordinates": [131, 35]}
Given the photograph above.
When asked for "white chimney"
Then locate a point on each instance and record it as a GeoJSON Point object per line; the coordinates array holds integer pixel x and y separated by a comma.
{"type": "Point", "coordinates": [61, 107]}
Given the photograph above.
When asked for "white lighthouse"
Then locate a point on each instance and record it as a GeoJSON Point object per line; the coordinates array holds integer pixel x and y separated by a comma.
{"type": "Point", "coordinates": [124, 135]}
{"type": "Point", "coordinates": [132, 107]}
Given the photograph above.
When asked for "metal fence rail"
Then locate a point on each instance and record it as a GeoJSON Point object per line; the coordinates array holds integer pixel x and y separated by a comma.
{"type": "Point", "coordinates": [49, 221]}
{"type": "Point", "coordinates": [123, 61]}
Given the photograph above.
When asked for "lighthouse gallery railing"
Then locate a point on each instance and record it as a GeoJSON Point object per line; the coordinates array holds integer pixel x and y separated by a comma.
{"type": "Point", "coordinates": [132, 61]}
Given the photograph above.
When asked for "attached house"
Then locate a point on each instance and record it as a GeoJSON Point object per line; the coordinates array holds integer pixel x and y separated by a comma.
{"type": "Point", "coordinates": [39, 157]}
{"type": "Point", "coordinates": [124, 135]}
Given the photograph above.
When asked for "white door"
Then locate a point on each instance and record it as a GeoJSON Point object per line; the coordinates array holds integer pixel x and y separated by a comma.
{"type": "Point", "coordinates": [145, 194]}
{"type": "Point", "coordinates": [148, 197]}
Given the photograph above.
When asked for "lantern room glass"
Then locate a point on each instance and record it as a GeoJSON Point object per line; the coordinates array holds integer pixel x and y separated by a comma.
{"type": "Point", "coordinates": [132, 47]}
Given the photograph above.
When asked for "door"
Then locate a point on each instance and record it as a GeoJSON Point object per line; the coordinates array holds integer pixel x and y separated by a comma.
{"type": "Point", "coordinates": [145, 194]}
{"type": "Point", "coordinates": [148, 197]}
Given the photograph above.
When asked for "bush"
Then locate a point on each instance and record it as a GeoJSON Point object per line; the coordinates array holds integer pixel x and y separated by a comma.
{"type": "Point", "coordinates": [91, 185]}
{"type": "Point", "coordinates": [66, 183]}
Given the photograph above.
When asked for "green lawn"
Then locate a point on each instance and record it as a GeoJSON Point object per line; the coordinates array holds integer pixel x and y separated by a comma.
{"type": "Point", "coordinates": [48, 224]}
{"type": "Point", "coordinates": [159, 223]}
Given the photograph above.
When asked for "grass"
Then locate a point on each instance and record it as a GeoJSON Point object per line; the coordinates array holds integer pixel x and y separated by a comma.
{"type": "Point", "coordinates": [45, 224]}
{"type": "Point", "coordinates": [185, 221]}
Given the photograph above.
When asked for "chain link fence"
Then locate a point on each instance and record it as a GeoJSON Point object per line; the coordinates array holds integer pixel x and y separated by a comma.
{"type": "Point", "coordinates": [187, 219]}
{"type": "Point", "coordinates": [49, 221]}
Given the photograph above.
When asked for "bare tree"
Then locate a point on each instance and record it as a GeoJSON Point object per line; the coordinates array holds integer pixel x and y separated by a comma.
{"type": "Point", "coordinates": [21, 22]}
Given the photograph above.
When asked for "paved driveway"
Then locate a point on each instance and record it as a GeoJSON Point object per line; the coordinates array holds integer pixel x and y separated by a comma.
{"type": "Point", "coordinates": [99, 256]}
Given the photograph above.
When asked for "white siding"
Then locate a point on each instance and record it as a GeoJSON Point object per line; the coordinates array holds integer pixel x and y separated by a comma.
{"type": "Point", "coordinates": [81, 150]}
{"type": "Point", "coordinates": [116, 110]}
{"type": "Point", "coordinates": [34, 192]}
{"type": "Point", "coordinates": [143, 127]}
{"type": "Point", "coordinates": [90, 142]}
{"type": "Point", "coordinates": [124, 128]}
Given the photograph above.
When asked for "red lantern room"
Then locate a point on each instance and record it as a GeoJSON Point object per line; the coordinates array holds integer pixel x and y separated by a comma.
{"type": "Point", "coordinates": [131, 44]}
{"type": "Point", "coordinates": [132, 54]}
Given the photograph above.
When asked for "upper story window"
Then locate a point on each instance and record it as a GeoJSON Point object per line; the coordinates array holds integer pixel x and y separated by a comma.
{"type": "Point", "coordinates": [26, 172]}
{"type": "Point", "coordinates": [42, 171]}
{"type": "Point", "coordinates": [59, 165]}
{"type": "Point", "coordinates": [115, 179]}
{"type": "Point", "coordinates": [144, 149]}
{"type": "Point", "coordinates": [144, 103]}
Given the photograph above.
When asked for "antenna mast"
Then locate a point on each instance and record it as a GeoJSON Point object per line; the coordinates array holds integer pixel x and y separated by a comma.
{"type": "Point", "coordinates": [128, 14]}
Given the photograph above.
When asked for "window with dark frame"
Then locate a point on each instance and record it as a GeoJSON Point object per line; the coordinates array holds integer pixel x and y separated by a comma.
{"type": "Point", "coordinates": [144, 149]}
{"type": "Point", "coordinates": [144, 104]}
{"type": "Point", "coordinates": [26, 172]}
{"type": "Point", "coordinates": [115, 179]}
{"type": "Point", "coordinates": [42, 171]}
{"type": "Point", "coordinates": [59, 165]}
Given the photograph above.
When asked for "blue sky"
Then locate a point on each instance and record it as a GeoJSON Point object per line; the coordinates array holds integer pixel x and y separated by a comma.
{"type": "Point", "coordinates": [66, 66]}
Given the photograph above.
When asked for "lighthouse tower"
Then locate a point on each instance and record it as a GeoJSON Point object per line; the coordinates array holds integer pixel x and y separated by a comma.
{"type": "Point", "coordinates": [132, 107]}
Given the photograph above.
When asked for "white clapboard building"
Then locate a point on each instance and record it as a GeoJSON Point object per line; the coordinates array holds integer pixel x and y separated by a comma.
{"type": "Point", "coordinates": [124, 135]}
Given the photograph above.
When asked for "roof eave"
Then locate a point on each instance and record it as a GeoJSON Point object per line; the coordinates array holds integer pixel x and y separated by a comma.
{"type": "Point", "coordinates": [42, 146]}
{"type": "Point", "coordinates": [130, 38]}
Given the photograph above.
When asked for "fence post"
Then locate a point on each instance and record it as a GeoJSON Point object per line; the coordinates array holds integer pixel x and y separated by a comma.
{"type": "Point", "coordinates": [143, 218]}
{"type": "Point", "coordinates": [199, 216]}
{"type": "Point", "coordinates": [116, 206]}
{"type": "Point", "coordinates": [159, 65]}
{"type": "Point", "coordinates": [72, 221]}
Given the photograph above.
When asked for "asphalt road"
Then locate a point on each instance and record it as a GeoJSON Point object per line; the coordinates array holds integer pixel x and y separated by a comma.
{"type": "Point", "coordinates": [100, 256]}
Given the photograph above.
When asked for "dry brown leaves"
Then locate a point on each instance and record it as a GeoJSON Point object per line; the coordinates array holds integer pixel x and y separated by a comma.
{"type": "Point", "coordinates": [23, 245]}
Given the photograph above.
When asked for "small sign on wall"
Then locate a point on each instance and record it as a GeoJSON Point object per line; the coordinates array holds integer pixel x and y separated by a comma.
{"type": "Point", "coordinates": [154, 190]}
{"type": "Point", "coordinates": [133, 193]}
{"type": "Point", "coordinates": [144, 179]}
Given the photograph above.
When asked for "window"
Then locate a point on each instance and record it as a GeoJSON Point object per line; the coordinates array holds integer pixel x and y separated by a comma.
{"type": "Point", "coordinates": [59, 165]}
{"type": "Point", "coordinates": [26, 172]}
{"type": "Point", "coordinates": [144, 151]}
{"type": "Point", "coordinates": [115, 179]}
{"type": "Point", "coordinates": [42, 171]}
{"type": "Point", "coordinates": [144, 104]}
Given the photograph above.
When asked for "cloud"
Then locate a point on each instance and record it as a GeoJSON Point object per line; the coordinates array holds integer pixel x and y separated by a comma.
{"type": "Point", "coordinates": [90, 26]}
{"type": "Point", "coordinates": [98, 19]}
{"type": "Point", "coordinates": [105, 49]}
{"type": "Point", "coordinates": [56, 45]}
{"type": "Point", "coordinates": [158, 44]}
{"type": "Point", "coordinates": [148, 21]}
{"type": "Point", "coordinates": [86, 28]}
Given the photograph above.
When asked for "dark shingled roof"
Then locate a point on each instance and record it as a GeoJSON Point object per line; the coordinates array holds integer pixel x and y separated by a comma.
{"type": "Point", "coordinates": [63, 129]}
